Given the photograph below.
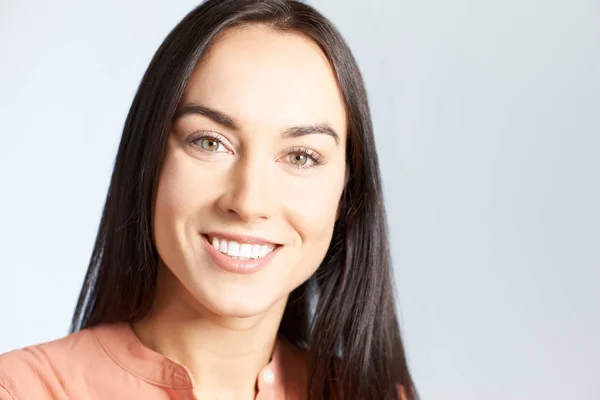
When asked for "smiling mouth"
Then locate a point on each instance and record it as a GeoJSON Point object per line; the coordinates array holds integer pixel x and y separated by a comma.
{"type": "Point", "coordinates": [239, 250]}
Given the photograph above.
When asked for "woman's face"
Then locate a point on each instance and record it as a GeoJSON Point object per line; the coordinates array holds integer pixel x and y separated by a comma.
{"type": "Point", "coordinates": [255, 165]}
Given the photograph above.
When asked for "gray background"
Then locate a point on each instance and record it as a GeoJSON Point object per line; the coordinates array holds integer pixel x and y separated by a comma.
{"type": "Point", "coordinates": [487, 116]}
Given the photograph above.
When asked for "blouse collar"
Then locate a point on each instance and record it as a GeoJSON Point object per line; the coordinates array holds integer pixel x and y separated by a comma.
{"type": "Point", "coordinates": [286, 370]}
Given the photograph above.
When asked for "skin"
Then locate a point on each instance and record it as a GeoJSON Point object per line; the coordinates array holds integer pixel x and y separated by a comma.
{"type": "Point", "coordinates": [219, 324]}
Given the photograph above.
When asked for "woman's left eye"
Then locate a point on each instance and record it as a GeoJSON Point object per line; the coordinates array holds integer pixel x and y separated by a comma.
{"type": "Point", "coordinates": [304, 158]}
{"type": "Point", "coordinates": [299, 159]}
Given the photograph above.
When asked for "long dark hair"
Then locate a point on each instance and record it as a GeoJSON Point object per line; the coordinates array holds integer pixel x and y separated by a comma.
{"type": "Point", "coordinates": [345, 313]}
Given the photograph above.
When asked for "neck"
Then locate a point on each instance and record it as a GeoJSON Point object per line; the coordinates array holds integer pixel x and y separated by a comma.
{"type": "Point", "coordinates": [224, 354]}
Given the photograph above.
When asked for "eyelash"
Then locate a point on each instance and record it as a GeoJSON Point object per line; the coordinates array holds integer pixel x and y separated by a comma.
{"type": "Point", "coordinates": [316, 158]}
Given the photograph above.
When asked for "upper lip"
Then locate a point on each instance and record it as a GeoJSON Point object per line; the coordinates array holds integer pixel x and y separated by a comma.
{"type": "Point", "coordinates": [240, 238]}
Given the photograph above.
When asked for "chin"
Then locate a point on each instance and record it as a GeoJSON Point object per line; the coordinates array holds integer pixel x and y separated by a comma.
{"type": "Point", "coordinates": [229, 311]}
{"type": "Point", "coordinates": [239, 304]}
{"type": "Point", "coordinates": [241, 309]}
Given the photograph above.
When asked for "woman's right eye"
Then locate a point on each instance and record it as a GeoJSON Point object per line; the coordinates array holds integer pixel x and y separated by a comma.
{"type": "Point", "coordinates": [207, 144]}
{"type": "Point", "coordinates": [210, 144]}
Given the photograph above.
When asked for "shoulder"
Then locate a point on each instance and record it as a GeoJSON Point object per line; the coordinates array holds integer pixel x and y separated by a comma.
{"type": "Point", "coordinates": [37, 372]}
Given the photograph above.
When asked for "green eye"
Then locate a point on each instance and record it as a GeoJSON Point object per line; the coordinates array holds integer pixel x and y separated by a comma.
{"type": "Point", "coordinates": [298, 159]}
{"type": "Point", "coordinates": [210, 144]}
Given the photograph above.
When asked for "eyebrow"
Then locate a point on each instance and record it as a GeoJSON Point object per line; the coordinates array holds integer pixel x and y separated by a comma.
{"type": "Point", "coordinates": [217, 116]}
{"type": "Point", "coordinates": [230, 123]}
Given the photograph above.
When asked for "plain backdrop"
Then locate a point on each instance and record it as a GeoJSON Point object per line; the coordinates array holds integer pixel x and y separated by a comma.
{"type": "Point", "coordinates": [487, 121]}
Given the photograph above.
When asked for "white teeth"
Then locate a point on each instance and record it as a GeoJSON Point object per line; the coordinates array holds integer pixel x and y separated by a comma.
{"type": "Point", "coordinates": [264, 250]}
{"type": "Point", "coordinates": [255, 253]}
{"type": "Point", "coordinates": [222, 246]}
{"type": "Point", "coordinates": [245, 250]}
{"type": "Point", "coordinates": [241, 251]}
{"type": "Point", "coordinates": [233, 249]}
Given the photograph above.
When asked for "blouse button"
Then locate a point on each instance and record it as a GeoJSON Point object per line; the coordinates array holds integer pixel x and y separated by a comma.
{"type": "Point", "coordinates": [269, 376]}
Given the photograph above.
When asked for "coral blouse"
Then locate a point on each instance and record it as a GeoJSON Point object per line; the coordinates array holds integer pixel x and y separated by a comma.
{"type": "Point", "coordinates": [110, 362]}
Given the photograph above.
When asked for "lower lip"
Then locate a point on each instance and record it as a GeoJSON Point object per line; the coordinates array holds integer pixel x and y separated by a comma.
{"type": "Point", "coordinates": [237, 266]}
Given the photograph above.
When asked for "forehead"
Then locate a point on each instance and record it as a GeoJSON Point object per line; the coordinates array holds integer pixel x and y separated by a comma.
{"type": "Point", "coordinates": [268, 79]}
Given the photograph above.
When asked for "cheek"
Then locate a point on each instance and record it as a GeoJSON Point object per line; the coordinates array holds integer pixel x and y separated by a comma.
{"type": "Point", "coordinates": [180, 194]}
{"type": "Point", "coordinates": [313, 211]}
{"type": "Point", "coordinates": [179, 188]}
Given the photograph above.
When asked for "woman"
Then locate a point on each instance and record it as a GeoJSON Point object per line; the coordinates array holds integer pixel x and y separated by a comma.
{"type": "Point", "coordinates": [242, 251]}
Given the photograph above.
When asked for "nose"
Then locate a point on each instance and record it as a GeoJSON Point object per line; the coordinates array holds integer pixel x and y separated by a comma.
{"type": "Point", "coordinates": [249, 194]}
